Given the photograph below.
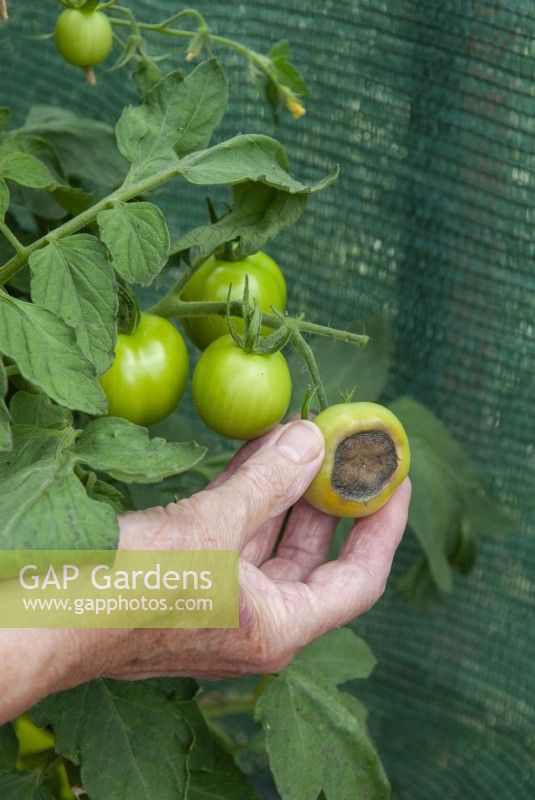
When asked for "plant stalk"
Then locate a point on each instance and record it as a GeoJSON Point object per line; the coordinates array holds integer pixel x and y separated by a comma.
{"type": "Point", "coordinates": [172, 306]}
{"type": "Point", "coordinates": [122, 194]}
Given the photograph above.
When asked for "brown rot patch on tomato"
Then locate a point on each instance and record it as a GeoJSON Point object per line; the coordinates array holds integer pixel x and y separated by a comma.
{"type": "Point", "coordinates": [364, 463]}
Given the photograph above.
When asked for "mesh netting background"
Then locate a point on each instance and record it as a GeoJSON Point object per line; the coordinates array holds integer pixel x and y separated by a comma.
{"type": "Point", "coordinates": [429, 108]}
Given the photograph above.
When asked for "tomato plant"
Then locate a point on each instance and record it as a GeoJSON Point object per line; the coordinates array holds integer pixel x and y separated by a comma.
{"type": "Point", "coordinates": [84, 37]}
{"type": "Point", "coordinates": [149, 373]}
{"type": "Point", "coordinates": [81, 225]}
{"type": "Point", "coordinates": [366, 457]}
{"type": "Point", "coordinates": [212, 280]}
{"type": "Point", "coordinates": [238, 394]}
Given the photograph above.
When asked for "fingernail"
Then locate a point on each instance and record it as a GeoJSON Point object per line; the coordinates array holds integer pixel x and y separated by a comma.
{"type": "Point", "coordinates": [301, 441]}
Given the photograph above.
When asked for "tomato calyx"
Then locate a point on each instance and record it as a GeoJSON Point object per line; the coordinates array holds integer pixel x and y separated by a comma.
{"type": "Point", "coordinates": [252, 340]}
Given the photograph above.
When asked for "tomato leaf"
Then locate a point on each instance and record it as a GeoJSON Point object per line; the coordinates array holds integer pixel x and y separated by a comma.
{"type": "Point", "coordinates": [4, 199]}
{"type": "Point", "coordinates": [73, 278]}
{"type": "Point", "coordinates": [9, 748]}
{"type": "Point", "coordinates": [22, 167]}
{"type": "Point", "coordinates": [316, 739]}
{"type": "Point", "coordinates": [450, 506]}
{"type": "Point", "coordinates": [251, 157]}
{"type": "Point", "coordinates": [139, 459]}
{"type": "Point", "coordinates": [137, 237]}
{"type": "Point", "coordinates": [146, 740]}
{"type": "Point", "coordinates": [257, 214]}
{"type": "Point", "coordinates": [66, 375]}
{"type": "Point", "coordinates": [177, 116]}
{"type": "Point", "coordinates": [86, 147]}
{"type": "Point", "coordinates": [287, 74]}
{"type": "Point", "coordinates": [225, 781]}
{"type": "Point", "coordinates": [23, 786]}
{"type": "Point", "coordinates": [5, 428]}
{"type": "Point", "coordinates": [46, 507]}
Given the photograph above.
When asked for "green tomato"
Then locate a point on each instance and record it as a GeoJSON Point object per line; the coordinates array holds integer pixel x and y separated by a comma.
{"type": "Point", "coordinates": [149, 374]}
{"type": "Point", "coordinates": [240, 395]}
{"type": "Point", "coordinates": [84, 38]}
{"type": "Point", "coordinates": [366, 457]}
{"type": "Point", "coordinates": [211, 282]}
{"type": "Point", "coordinates": [32, 739]}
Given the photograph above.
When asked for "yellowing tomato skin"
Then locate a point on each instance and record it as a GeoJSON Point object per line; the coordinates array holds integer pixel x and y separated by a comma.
{"type": "Point", "coordinates": [338, 423]}
{"type": "Point", "coordinates": [83, 38]}
{"type": "Point", "coordinates": [149, 374]}
{"type": "Point", "coordinates": [211, 282]}
{"type": "Point", "coordinates": [240, 395]}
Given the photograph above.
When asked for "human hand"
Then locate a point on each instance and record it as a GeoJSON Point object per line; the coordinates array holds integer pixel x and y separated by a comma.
{"type": "Point", "coordinates": [286, 600]}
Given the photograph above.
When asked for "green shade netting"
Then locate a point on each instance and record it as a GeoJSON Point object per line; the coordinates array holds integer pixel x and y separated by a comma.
{"type": "Point", "coordinates": [429, 108]}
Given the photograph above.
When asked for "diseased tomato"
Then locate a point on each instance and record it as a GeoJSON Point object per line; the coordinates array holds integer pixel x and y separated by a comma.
{"type": "Point", "coordinates": [211, 282]}
{"type": "Point", "coordinates": [149, 374]}
{"type": "Point", "coordinates": [367, 456]}
{"type": "Point", "coordinates": [240, 395]}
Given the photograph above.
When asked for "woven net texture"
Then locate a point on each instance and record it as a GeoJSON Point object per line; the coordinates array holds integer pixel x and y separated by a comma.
{"type": "Point", "coordinates": [429, 108]}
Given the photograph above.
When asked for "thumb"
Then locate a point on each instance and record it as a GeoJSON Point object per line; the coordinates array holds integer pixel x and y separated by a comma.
{"type": "Point", "coordinates": [271, 480]}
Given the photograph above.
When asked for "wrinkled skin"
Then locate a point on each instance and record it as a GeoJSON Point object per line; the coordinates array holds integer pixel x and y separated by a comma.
{"type": "Point", "coordinates": [287, 600]}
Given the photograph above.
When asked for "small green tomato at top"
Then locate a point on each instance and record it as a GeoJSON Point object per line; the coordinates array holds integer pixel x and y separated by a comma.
{"type": "Point", "coordinates": [238, 394]}
{"type": "Point", "coordinates": [84, 38]}
{"type": "Point", "coordinates": [149, 374]}
{"type": "Point", "coordinates": [211, 281]}
{"type": "Point", "coordinates": [367, 456]}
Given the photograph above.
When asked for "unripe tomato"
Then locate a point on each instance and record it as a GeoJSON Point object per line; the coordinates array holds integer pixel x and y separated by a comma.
{"type": "Point", "coordinates": [32, 739]}
{"type": "Point", "coordinates": [240, 395]}
{"type": "Point", "coordinates": [211, 282]}
{"type": "Point", "coordinates": [367, 456]}
{"type": "Point", "coordinates": [149, 374]}
{"type": "Point", "coordinates": [84, 38]}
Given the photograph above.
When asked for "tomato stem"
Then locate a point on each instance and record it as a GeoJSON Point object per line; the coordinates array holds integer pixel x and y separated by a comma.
{"type": "Point", "coordinates": [173, 306]}
{"type": "Point", "coordinates": [123, 193]}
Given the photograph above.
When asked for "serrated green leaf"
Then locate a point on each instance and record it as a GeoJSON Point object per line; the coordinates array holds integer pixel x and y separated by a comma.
{"type": "Point", "coordinates": [5, 116]}
{"type": "Point", "coordinates": [73, 278]}
{"type": "Point", "coordinates": [9, 748]}
{"type": "Point", "coordinates": [4, 199]}
{"type": "Point", "coordinates": [23, 786]}
{"type": "Point", "coordinates": [73, 199]}
{"type": "Point", "coordinates": [336, 658]}
{"type": "Point", "coordinates": [145, 745]}
{"type": "Point", "coordinates": [251, 157]}
{"type": "Point", "coordinates": [40, 428]}
{"type": "Point", "coordinates": [137, 237]}
{"type": "Point", "coordinates": [5, 427]}
{"type": "Point", "coordinates": [258, 213]}
{"type": "Point", "coordinates": [104, 492]}
{"type": "Point", "coordinates": [46, 507]}
{"type": "Point", "coordinates": [86, 147]}
{"type": "Point", "coordinates": [442, 478]}
{"type": "Point", "coordinates": [316, 739]}
{"type": "Point", "coordinates": [139, 458]}
{"type": "Point", "coordinates": [225, 781]}
{"type": "Point", "coordinates": [24, 168]}
{"type": "Point", "coordinates": [202, 753]}
{"type": "Point", "coordinates": [287, 74]}
{"type": "Point", "coordinates": [146, 75]}
{"type": "Point", "coordinates": [177, 116]}
{"type": "Point", "coordinates": [344, 367]}
{"type": "Point", "coordinates": [27, 332]}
